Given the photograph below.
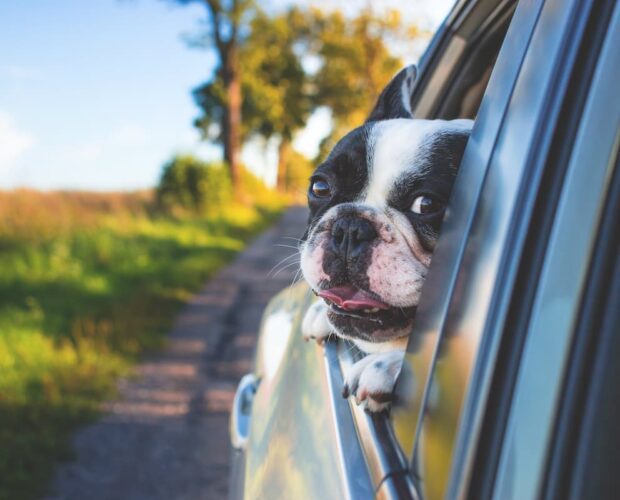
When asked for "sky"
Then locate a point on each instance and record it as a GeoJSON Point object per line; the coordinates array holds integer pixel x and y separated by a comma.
{"type": "Point", "coordinates": [97, 95]}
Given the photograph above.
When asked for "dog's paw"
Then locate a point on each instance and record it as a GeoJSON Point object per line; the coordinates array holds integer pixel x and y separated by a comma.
{"type": "Point", "coordinates": [315, 325]}
{"type": "Point", "coordinates": [371, 380]}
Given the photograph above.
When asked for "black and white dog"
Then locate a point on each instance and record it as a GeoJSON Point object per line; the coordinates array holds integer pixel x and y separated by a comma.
{"type": "Point", "coordinates": [376, 207]}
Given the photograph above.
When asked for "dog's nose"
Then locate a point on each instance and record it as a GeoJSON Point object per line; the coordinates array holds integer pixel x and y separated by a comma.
{"type": "Point", "coordinates": [351, 235]}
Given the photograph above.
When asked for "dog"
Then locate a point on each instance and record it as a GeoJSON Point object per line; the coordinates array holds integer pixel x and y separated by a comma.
{"type": "Point", "coordinates": [376, 205]}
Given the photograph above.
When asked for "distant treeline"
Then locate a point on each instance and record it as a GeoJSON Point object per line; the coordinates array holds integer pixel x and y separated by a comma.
{"type": "Point", "coordinates": [275, 69]}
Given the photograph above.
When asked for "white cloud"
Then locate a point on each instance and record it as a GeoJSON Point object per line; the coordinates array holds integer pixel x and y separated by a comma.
{"type": "Point", "coordinates": [13, 142]}
{"type": "Point", "coordinates": [127, 136]}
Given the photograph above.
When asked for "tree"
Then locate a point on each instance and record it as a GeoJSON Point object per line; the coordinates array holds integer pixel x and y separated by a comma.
{"type": "Point", "coordinates": [221, 97]}
{"type": "Point", "coordinates": [276, 89]}
{"type": "Point", "coordinates": [261, 74]}
{"type": "Point", "coordinates": [356, 64]}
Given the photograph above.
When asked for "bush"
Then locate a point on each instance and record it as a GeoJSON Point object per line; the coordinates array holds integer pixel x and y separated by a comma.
{"type": "Point", "coordinates": [191, 185]}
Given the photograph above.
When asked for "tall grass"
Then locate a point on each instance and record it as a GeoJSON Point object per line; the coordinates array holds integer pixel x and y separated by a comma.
{"type": "Point", "coordinates": [87, 283]}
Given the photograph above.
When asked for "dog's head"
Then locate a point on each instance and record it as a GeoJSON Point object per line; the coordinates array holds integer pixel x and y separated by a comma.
{"type": "Point", "coordinates": [376, 206]}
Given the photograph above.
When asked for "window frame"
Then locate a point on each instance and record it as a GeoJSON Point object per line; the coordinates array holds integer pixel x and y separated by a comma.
{"type": "Point", "coordinates": [592, 149]}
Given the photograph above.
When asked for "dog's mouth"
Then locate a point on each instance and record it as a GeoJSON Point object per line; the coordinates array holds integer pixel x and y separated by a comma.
{"type": "Point", "coordinates": [352, 302]}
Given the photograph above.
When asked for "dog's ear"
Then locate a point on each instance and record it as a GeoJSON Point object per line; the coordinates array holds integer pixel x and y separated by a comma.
{"type": "Point", "coordinates": [395, 100]}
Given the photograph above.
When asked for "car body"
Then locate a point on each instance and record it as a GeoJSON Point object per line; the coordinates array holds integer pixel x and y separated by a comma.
{"type": "Point", "coordinates": [512, 388]}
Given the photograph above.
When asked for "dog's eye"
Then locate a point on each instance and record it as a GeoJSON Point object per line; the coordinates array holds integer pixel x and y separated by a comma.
{"type": "Point", "coordinates": [425, 204]}
{"type": "Point", "coordinates": [320, 188]}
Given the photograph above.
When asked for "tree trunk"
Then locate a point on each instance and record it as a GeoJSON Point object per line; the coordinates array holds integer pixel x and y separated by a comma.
{"type": "Point", "coordinates": [283, 155]}
{"type": "Point", "coordinates": [232, 116]}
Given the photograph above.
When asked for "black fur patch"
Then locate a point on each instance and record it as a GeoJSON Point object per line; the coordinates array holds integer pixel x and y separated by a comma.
{"type": "Point", "coordinates": [441, 157]}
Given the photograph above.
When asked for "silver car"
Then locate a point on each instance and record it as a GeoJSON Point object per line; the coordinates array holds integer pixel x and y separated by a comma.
{"type": "Point", "coordinates": [516, 383]}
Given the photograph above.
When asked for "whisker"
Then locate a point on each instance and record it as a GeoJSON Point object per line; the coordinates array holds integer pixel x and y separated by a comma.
{"type": "Point", "coordinates": [290, 264]}
{"type": "Point", "coordinates": [296, 279]}
{"type": "Point", "coordinates": [281, 262]}
{"type": "Point", "coordinates": [285, 246]}
{"type": "Point", "coordinates": [290, 257]}
{"type": "Point", "coordinates": [282, 268]}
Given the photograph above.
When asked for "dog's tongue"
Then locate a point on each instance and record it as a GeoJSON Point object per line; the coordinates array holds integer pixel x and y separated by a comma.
{"type": "Point", "coordinates": [350, 298]}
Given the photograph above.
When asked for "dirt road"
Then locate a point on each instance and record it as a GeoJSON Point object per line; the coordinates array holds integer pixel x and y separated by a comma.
{"type": "Point", "coordinates": [167, 436]}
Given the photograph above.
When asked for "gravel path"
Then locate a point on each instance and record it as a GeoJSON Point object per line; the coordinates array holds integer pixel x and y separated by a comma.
{"type": "Point", "coordinates": [167, 435]}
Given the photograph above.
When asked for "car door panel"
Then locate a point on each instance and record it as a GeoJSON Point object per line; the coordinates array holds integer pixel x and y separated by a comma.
{"type": "Point", "coordinates": [556, 307]}
{"type": "Point", "coordinates": [301, 438]}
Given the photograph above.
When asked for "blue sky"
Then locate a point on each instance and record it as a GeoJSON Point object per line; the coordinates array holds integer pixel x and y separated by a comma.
{"type": "Point", "coordinates": [96, 95]}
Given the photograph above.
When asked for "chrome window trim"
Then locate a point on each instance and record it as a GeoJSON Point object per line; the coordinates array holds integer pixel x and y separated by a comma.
{"type": "Point", "coordinates": [375, 434]}
{"type": "Point", "coordinates": [458, 36]}
{"type": "Point", "coordinates": [355, 472]}
{"type": "Point", "coordinates": [440, 78]}
{"type": "Point", "coordinates": [531, 423]}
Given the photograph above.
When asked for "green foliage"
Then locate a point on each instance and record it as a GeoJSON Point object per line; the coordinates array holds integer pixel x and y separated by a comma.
{"type": "Point", "coordinates": [189, 184]}
{"type": "Point", "coordinates": [276, 89]}
{"type": "Point", "coordinates": [211, 99]}
{"type": "Point", "coordinates": [79, 303]}
{"type": "Point", "coordinates": [357, 63]}
{"type": "Point", "coordinates": [356, 66]}
{"type": "Point", "coordinates": [278, 94]}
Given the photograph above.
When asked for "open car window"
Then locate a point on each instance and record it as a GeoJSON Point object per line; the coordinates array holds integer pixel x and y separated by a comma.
{"type": "Point", "coordinates": [455, 73]}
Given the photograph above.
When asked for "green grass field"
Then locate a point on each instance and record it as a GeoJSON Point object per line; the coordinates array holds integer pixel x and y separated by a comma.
{"type": "Point", "coordinates": [88, 283]}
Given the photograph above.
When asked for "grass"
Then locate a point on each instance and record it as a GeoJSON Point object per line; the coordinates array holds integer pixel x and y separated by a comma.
{"type": "Point", "coordinates": [89, 282]}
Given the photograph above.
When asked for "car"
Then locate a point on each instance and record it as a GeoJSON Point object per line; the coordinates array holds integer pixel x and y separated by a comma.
{"type": "Point", "coordinates": [509, 388]}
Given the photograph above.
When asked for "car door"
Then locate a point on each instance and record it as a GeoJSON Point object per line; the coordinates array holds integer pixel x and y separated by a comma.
{"type": "Point", "coordinates": [502, 302]}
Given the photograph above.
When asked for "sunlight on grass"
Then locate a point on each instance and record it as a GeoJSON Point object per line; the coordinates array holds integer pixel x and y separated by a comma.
{"type": "Point", "coordinates": [86, 285]}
